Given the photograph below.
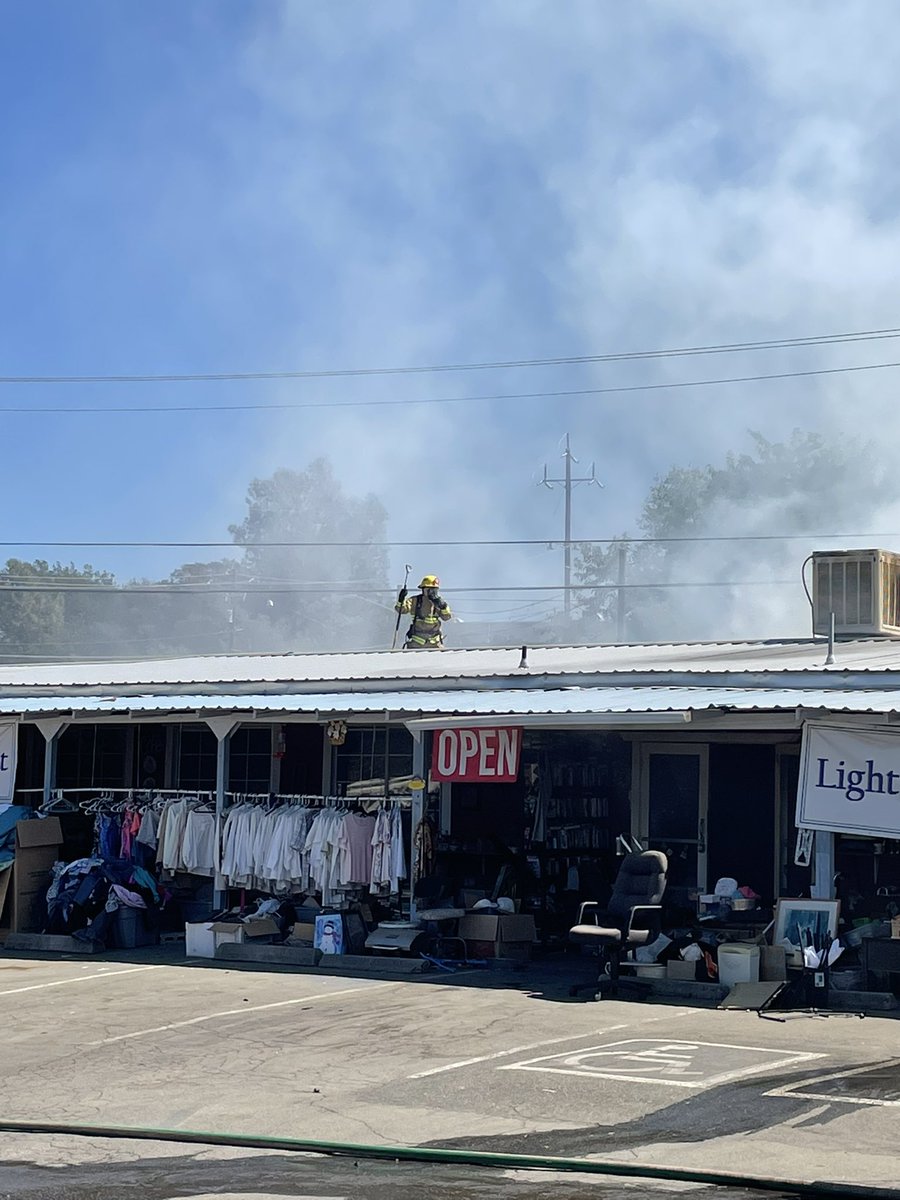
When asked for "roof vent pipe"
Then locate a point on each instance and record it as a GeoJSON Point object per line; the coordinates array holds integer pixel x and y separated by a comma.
{"type": "Point", "coordinates": [829, 658]}
{"type": "Point", "coordinates": [523, 661]}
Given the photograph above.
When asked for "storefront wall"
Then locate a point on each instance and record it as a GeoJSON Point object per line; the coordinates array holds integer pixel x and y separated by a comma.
{"type": "Point", "coordinates": [156, 756]}
{"type": "Point", "coordinates": [717, 804]}
{"type": "Point", "coordinates": [292, 758]}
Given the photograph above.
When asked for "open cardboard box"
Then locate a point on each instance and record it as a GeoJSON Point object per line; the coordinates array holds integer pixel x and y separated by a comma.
{"type": "Point", "coordinates": [23, 886]}
{"type": "Point", "coordinates": [501, 935]}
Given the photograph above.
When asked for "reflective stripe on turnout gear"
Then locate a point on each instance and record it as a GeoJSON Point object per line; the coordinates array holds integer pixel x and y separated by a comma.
{"type": "Point", "coordinates": [434, 642]}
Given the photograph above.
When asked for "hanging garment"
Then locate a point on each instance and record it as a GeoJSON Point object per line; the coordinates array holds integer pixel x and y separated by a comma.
{"type": "Point", "coordinates": [397, 870]}
{"type": "Point", "coordinates": [381, 853]}
{"type": "Point", "coordinates": [131, 824]}
{"type": "Point", "coordinates": [108, 837]}
{"type": "Point", "coordinates": [147, 833]}
{"type": "Point", "coordinates": [198, 845]}
{"type": "Point", "coordinates": [424, 848]}
{"type": "Point", "coordinates": [355, 849]}
{"type": "Point", "coordinates": [171, 844]}
{"type": "Point", "coordinates": [324, 857]}
{"type": "Point", "coordinates": [237, 864]}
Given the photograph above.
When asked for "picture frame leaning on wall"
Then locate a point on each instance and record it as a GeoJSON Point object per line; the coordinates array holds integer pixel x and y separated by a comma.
{"type": "Point", "coordinates": [804, 922]}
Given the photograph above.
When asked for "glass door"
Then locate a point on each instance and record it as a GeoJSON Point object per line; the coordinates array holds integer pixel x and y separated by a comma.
{"type": "Point", "coordinates": [673, 808]}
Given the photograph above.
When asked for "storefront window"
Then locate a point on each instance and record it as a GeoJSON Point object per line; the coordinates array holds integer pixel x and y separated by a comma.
{"type": "Point", "coordinates": [196, 758]}
{"type": "Point", "coordinates": [372, 754]}
{"type": "Point", "coordinates": [149, 756]}
{"type": "Point", "coordinates": [92, 756]}
{"type": "Point", "coordinates": [250, 760]}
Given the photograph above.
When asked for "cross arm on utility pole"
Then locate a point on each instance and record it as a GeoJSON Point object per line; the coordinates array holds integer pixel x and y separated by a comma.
{"type": "Point", "coordinates": [568, 482]}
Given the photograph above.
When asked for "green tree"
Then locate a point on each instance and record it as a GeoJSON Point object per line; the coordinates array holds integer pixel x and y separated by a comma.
{"type": "Point", "coordinates": [342, 608]}
{"type": "Point", "coordinates": [49, 622]}
{"type": "Point", "coordinates": [804, 485]}
{"type": "Point", "coordinates": [324, 597]}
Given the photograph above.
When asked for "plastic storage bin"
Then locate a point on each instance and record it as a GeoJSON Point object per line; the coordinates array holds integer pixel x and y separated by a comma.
{"type": "Point", "coordinates": [130, 929]}
{"type": "Point", "coordinates": [738, 963]}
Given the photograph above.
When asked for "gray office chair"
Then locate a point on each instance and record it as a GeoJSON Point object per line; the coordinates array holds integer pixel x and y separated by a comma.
{"type": "Point", "coordinates": [632, 918]}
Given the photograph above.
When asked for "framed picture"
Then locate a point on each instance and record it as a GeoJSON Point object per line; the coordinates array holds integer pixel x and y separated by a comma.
{"type": "Point", "coordinates": [329, 933]}
{"type": "Point", "coordinates": [805, 922]}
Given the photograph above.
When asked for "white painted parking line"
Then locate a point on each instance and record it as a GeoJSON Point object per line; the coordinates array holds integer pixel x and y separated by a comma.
{"type": "Point", "coordinates": [685, 1064]}
{"type": "Point", "coordinates": [470, 1062]}
{"type": "Point", "coordinates": [806, 1089]}
{"type": "Point", "coordinates": [239, 1012]}
{"type": "Point", "coordinates": [107, 974]}
{"type": "Point", "coordinates": [571, 1037]}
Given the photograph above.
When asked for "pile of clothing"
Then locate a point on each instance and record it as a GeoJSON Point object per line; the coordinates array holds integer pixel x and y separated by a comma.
{"type": "Point", "coordinates": [85, 896]}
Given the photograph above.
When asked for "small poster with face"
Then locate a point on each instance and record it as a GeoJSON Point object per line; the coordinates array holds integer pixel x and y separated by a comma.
{"type": "Point", "coordinates": [329, 936]}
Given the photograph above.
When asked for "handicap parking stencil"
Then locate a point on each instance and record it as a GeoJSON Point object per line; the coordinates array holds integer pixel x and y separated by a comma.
{"type": "Point", "coordinates": [685, 1064]}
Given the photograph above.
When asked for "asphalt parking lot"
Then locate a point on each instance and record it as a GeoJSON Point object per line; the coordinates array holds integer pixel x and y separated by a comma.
{"type": "Point", "coordinates": [505, 1064]}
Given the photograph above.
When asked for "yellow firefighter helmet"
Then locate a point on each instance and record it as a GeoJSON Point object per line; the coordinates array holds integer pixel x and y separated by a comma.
{"type": "Point", "coordinates": [430, 581]}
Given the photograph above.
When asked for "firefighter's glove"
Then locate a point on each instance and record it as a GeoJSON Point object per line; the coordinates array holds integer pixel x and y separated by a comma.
{"type": "Point", "coordinates": [404, 592]}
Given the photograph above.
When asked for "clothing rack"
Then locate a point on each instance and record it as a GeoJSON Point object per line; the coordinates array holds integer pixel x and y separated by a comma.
{"type": "Point", "coordinates": [111, 800]}
{"type": "Point", "coordinates": [304, 799]}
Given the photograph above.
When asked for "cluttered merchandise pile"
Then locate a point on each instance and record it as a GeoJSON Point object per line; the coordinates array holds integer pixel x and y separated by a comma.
{"type": "Point", "coordinates": [797, 954]}
{"type": "Point", "coordinates": [114, 872]}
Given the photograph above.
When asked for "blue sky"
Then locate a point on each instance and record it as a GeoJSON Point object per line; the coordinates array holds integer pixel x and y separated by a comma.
{"type": "Point", "coordinates": [192, 186]}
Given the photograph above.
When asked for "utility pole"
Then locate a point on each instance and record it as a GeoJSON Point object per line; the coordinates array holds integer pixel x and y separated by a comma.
{"type": "Point", "coordinates": [568, 482]}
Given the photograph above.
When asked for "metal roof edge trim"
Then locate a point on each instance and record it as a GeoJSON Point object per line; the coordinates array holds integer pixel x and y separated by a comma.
{"type": "Point", "coordinates": [552, 720]}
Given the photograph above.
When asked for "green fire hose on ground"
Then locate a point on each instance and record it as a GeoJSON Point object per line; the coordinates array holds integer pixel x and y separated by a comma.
{"type": "Point", "coordinates": [470, 1158]}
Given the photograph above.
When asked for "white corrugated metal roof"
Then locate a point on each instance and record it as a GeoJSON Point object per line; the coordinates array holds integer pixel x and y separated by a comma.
{"type": "Point", "coordinates": [501, 702]}
{"type": "Point", "coordinates": [411, 666]}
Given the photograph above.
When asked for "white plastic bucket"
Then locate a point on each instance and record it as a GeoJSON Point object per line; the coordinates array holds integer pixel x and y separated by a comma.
{"type": "Point", "coordinates": [650, 970]}
{"type": "Point", "coordinates": [738, 963]}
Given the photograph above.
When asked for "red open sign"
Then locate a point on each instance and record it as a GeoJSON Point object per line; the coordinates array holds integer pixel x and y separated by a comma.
{"type": "Point", "coordinates": [476, 755]}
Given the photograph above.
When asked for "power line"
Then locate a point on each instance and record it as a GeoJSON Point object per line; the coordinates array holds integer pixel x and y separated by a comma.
{"type": "Point", "coordinates": [215, 589]}
{"type": "Point", "coordinates": [546, 543]}
{"type": "Point", "coordinates": [825, 339]}
{"type": "Point", "coordinates": [28, 410]}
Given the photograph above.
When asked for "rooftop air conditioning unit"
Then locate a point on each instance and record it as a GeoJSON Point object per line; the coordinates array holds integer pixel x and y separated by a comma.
{"type": "Point", "coordinates": [861, 588]}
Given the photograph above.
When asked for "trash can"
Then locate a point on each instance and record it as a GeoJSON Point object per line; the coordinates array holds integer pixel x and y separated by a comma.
{"type": "Point", "coordinates": [738, 963]}
{"type": "Point", "coordinates": [130, 929]}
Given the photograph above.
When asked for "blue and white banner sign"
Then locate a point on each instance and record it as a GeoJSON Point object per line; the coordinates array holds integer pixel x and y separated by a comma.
{"type": "Point", "coordinates": [850, 780]}
{"type": "Point", "coordinates": [8, 742]}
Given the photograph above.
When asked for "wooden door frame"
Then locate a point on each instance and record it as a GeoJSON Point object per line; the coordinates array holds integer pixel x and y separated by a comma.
{"type": "Point", "coordinates": [640, 811]}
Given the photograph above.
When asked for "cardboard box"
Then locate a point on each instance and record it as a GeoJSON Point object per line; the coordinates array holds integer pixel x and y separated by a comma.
{"type": "Point", "coordinates": [302, 933]}
{"type": "Point", "coordinates": [260, 927]}
{"type": "Point", "coordinates": [23, 887]}
{"type": "Point", "coordinates": [895, 927]}
{"type": "Point", "coordinates": [199, 940]}
{"type": "Point", "coordinates": [497, 935]}
{"type": "Point", "coordinates": [202, 937]}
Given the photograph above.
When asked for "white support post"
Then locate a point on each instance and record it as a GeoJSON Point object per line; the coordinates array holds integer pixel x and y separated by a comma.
{"type": "Point", "coordinates": [823, 887]}
{"type": "Point", "coordinates": [418, 812]}
{"type": "Point", "coordinates": [222, 727]}
{"type": "Point", "coordinates": [51, 728]}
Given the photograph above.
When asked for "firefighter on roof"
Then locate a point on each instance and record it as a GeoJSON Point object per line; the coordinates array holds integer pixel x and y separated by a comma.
{"type": "Point", "coordinates": [428, 610]}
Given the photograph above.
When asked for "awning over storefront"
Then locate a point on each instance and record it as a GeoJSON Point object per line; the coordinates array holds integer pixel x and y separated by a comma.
{"type": "Point", "coordinates": [563, 706]}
